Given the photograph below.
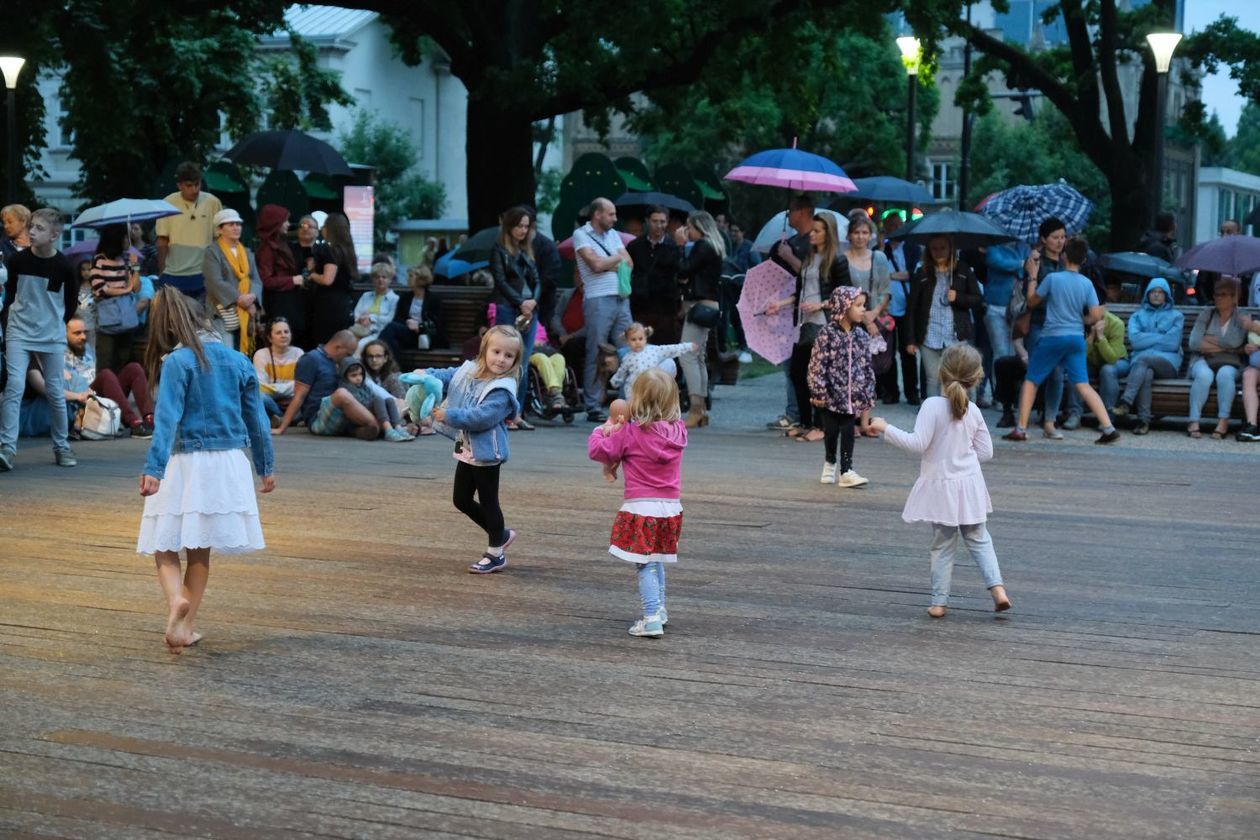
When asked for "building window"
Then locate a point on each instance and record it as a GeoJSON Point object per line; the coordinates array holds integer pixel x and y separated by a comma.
{"type": "Point", "coordinates": [416, 124]}
{"type": "Point", "coordinates": [65, 137]}
{"type": "Point", "coordinates": [942, 180]}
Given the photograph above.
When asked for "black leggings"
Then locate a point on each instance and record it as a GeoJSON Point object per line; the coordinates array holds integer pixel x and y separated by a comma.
{"type": "Point", "coordinates": [484, 482]}
{"type": "Point", "coordinates": [837, 426]}
{"type": "Point", "coordinates": [798, 373]}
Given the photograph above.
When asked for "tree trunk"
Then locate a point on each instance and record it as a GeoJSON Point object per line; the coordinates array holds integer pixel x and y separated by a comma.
{"type": "Point", "coordinates": [500, 149]}
{"type": "Point", "coordinates": [1130, 204]}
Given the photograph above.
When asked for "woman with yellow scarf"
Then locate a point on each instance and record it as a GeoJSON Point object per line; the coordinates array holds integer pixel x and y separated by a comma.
{"type": "Point", "coordinates": [232, 283]}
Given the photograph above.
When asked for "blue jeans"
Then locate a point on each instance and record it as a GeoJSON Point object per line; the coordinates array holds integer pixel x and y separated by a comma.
{"type": "Point", "coordinates": [1109, 383]}
{"type": "Point", "coordinates": [1201, 378]}
{"type": "Point", "coordinates": [272, 407]}
{"type": "Point", "coordinates": [506, 316]}
{"type": "Point", "coordinates": [945, 547]}
{"type": "Point", "coordinates": [606, 321]}
{"type": "Point", "coordinates": [999, 333]}
{"type": "Point", "coordinates": [791, 410]}
{"type": "Point", "coordinates": [1143, 371]}
{"type": "Point", "coordinates": [651, 587]}
{"type": "Point", "coordinates": [52, 362]}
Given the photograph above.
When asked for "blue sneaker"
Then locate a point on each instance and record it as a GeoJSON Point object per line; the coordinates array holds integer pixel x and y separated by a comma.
{"type": "Point", "coordinates": [648, 627]}
{"type": "Point", "coordinates": [664, 617]}
{"type": "Point", "coordinates": [488, 564]}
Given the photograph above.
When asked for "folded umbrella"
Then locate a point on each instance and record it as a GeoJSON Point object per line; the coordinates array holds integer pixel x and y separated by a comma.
{"type": "Point", "coordinates": [968, 230]}
{"type": "Point", "coordinates": [1022, 209]}
{"type": "Point", "coordinates": [1234, 255]}
{"type": "Point", "coordinates": [769, 336]}
{"type": "Point", "coordinates": [123, 211]}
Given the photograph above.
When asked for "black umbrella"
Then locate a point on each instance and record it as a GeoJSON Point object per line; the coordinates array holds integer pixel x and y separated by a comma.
{"type": "Point", "coordinates": [968, 230]}
{"type": "Point", "coordinates": [1138, 264]}
{"type": "Point", "coordinates": [652, 199]}
{"type": "Point", "coordinates": [288, 150]}
{"type": "Point", "coordinates": [889, 189]}
{"type": "Point", "coordinates": [479, 245]}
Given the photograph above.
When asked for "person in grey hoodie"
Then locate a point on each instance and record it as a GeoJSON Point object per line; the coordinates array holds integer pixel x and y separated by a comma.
{"type": "Point", "coordinates": [1217, 341]}
{"type": "Point", "coordinates": [1155, 340]}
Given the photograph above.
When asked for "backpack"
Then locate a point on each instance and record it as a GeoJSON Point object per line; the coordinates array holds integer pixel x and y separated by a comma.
{"type": "Point", "coordinates": [99, 419]}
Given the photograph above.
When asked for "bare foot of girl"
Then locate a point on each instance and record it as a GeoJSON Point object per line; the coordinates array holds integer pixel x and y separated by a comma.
{"type": "Point", "coordinates": [1000, 602]}
{"type": "Point", "coordinates": [936, 611]}
{"type": "Point", "coordinates": [176, 635]}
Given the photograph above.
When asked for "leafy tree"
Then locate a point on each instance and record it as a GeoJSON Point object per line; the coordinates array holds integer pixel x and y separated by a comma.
{"type": "Point", "coordinates": [297, 91]}
{"type": "Point", "coordinates": [27, 32]}
{"type": "Point", "coordinates": [1039, 152]}
{"type": "Point", "coordinates": [1081, 80]}
{"type": "Point", "coordinates": [1244, 147]}
{"type": "Point", "coordinates": [1208, 134]}
{"type": "Point", "coordinates": [400, 193]}
{"type": "Point", "coordinates": [523, 61]}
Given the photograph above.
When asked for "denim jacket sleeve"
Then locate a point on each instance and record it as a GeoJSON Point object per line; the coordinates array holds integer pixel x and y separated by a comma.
{"type": "Point", "coordinates": [172, 391]}
{"type": "Point", "coordinates": [497, 407]}
{"type": "Point", "coordinates": [256, 424]}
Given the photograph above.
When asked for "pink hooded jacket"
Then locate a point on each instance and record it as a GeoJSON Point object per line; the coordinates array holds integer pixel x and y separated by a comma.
{"type": "Point", "coordinates": [651, 457]}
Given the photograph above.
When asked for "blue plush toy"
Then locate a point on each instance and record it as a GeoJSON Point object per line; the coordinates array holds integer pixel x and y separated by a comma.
{"type": "Point", "coordinates": [423, 395]}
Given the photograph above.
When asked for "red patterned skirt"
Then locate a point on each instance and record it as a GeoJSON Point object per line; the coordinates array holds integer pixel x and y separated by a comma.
{"type": "Point", "coordinates": [638, 538]}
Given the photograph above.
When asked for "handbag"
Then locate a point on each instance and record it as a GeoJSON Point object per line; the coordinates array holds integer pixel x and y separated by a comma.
{"type": "Point", "coordinates": [116, 314]}
{"type": "Point", "coordinates": [99, 419]}
{"type": "Point", "coordinates": [1222, 358]}
{"type": "Point", "coordinates": [703, 315]}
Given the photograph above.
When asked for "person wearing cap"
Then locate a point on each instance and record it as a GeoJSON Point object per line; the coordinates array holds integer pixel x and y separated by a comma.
{"type": "Point", "coordinates": [232, 282]}
{"type": "Point", "coordinates": [182, 239]}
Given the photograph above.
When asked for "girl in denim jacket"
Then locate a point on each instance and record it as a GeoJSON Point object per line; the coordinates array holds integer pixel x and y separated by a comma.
{"type": "Point", "coordinates": [199, 494]}
{"type": "Point", "coordinates": [480, 398]}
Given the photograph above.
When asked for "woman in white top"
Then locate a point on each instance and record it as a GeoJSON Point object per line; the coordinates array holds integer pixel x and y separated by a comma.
{"type": "Point", "coordinates": [276, 365]}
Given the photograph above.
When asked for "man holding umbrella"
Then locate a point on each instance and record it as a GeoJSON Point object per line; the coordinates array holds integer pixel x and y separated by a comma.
{"type": "Point", "coordinates": [182, 239]}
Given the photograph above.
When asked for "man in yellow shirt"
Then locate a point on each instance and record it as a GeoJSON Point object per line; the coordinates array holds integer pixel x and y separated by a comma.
{"type": "Point", "coordinates": [183, 239]}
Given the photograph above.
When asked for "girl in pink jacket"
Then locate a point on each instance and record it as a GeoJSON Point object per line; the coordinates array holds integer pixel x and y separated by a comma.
{"type": "Point", "coordinates": [650, 448]}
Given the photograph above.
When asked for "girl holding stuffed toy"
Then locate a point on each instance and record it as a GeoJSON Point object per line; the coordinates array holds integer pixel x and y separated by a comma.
{"type": "Point", "coordinates": [649, 445]}
{"type": "Point", "coordinates": [480, 399]}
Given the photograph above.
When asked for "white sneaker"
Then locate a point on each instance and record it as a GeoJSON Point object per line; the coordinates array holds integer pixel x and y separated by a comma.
{"type": "Point", "coordinates": [851, 479]}
{"type": "Point", "coordinates": [828, 474]}
{"type": "Point", "coordinates": [648, 626]}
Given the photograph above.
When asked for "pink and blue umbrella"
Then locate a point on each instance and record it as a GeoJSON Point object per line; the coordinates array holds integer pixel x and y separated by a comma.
{"type": "Point", "coordinates": [794, 169]}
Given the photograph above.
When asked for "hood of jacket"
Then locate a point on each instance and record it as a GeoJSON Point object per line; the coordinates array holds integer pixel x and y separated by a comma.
{"type": "Point", "coordinates": [344, 366]}
{"type": "Point", "coordinates": [1158, 283]}
{"type": "Point", "coordinates": [270, 219]}
{"type": "Point", "coordinates": [841, 299]}
{"type": "Point", "coordinates": [662, 440]}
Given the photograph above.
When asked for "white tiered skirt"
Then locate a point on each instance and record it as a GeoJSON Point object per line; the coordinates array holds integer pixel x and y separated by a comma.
{"type": "Point", "coordinates": [206, 501]}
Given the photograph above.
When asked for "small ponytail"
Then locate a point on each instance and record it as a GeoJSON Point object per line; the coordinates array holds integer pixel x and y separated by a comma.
{"type": "Point", "coordinates": [636, 327]}
{"type": "Point", "coordinates": [961, 370]}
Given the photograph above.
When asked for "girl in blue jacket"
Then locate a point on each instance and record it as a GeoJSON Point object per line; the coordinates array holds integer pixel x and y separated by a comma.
{"type": "Point", "coordinates": [199, 494]}
{"type": "Point", "coordinates": [1154, 333]}
{"type": "Point", "coordinates": [480, 398]}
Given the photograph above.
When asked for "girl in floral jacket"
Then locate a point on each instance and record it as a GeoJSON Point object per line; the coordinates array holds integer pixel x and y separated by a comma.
{"type": "Point", "coordinates": [842, 381]}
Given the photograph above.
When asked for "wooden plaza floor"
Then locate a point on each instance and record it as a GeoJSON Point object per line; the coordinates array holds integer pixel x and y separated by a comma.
{"type": "Point", "coordinates": [355, 682]}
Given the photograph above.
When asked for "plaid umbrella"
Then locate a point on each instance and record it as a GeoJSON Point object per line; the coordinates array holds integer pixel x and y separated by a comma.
{"type": "Point", "coordinates": [1022, 209]}
{"type": "Point", "coordinates": [770, 336]}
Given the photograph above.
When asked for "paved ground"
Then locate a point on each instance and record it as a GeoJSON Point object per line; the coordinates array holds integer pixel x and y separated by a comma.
{"type": "Point", "coordinates": [356, 683]}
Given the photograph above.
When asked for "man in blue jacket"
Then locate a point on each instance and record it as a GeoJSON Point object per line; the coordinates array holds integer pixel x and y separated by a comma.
{"type": "Point", "coordinates": [1155, 339]}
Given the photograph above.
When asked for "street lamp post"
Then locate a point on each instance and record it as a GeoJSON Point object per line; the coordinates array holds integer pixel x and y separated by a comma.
{"type": "Point", "coordinates": [909, 47]}
{"type": "Point", "coordinates": [1162, 46]}
{"type": "Point", "coordinates": [11, 66]}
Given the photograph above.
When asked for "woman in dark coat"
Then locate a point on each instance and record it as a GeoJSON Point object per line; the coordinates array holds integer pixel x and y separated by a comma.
{"type": "Point", "coordinates": [336, 269]}
{"type": "Point", "coordinates": [943, 295]}
{"type": "Point", "coordinates": [283, 295]}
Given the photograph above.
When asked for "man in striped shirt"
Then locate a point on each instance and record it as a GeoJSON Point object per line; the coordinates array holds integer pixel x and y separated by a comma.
{"type": "Point", "coordinates": [607, 314]}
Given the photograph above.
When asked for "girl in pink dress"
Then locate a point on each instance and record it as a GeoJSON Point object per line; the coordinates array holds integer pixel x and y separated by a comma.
{"type": "Point", "coordinates": [953, 441]}
{"type": "Point", "coordinates": [650, 447]}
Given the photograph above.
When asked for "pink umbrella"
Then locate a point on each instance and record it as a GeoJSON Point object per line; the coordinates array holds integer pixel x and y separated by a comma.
{"type": "Point", "coordinates": [770, 336]}
{"type": "Point", "coordinates": [794, 169]}
{"type": "Point", "coordinates": [566, 247]}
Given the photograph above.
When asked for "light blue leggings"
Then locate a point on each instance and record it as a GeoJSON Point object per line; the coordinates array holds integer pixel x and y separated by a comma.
{"type": "Point", "coordinates": [652, 587]}
{"type": "Point", "coordinates": [945, 547]}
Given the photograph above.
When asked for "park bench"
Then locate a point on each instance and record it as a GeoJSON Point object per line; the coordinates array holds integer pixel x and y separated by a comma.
{"type": "Point", "coordinates": [463, 314]}
{"type": "Point", "coordinates": [1171, 397]}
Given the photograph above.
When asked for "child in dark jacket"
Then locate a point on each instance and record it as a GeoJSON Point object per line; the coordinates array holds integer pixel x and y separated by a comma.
{"type": "Point", "coordinates": [842, 381]}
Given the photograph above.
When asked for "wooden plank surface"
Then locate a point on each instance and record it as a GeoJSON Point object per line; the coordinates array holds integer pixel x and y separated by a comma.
{"type": "Point", "coordinates": [355, 682]}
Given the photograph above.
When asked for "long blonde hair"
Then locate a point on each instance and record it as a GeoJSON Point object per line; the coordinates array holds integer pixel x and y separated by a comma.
{"type": "Point", "coordinates": [654, 396]}
{"type": "Point", "coordinates": [703, 222]}
{"type": "Point", "coordinates": [483, 370]}
{"type": "Point", "coordinates": [174, 319]}
{"type": "Point", "coordinates": [831, 244]}
{"type": "Point", "coordinates": [961, 370]}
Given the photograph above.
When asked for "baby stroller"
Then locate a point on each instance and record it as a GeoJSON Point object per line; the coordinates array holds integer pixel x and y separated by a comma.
{"type": "Point", "coordinates": [539, 403]}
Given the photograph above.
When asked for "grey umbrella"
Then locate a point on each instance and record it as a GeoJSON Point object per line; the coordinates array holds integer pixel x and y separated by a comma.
{"type": "Point", "coordinates": [1228, 255]}
{"type": "Point", "coordinates": [652, 199]}
{"type": "Point", "coordinates": [892, 190]}
{"type": "Point", "coordinates": [968, 230]}
{"type": "Point", "coordinates": [1138, 264]}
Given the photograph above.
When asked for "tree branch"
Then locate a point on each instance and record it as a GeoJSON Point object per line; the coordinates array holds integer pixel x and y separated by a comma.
{"type": "Point", "coordinates": [1107, 57]}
